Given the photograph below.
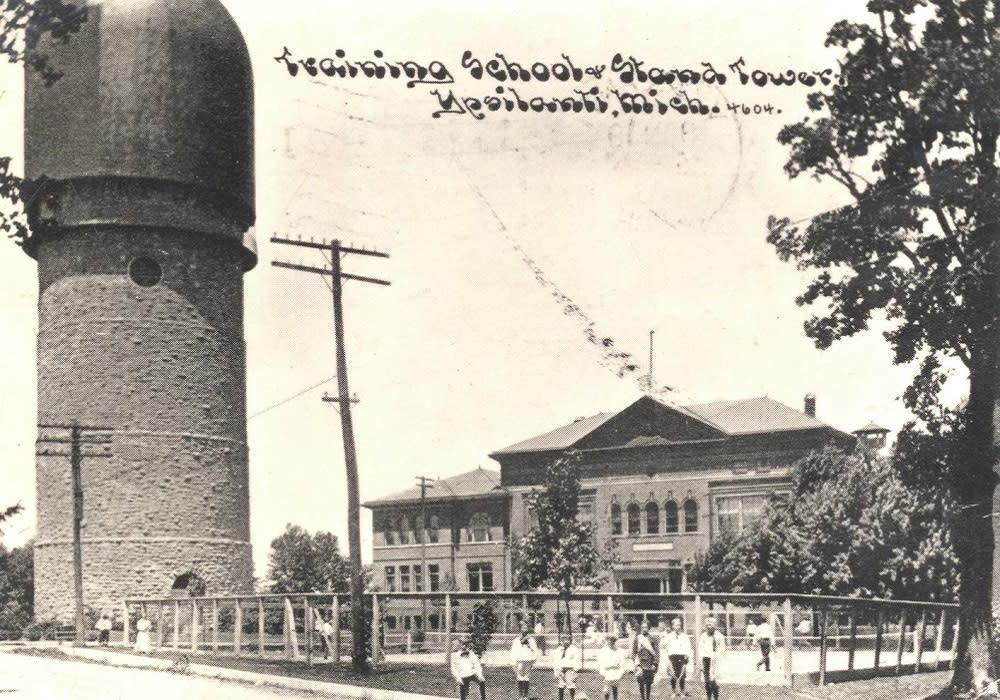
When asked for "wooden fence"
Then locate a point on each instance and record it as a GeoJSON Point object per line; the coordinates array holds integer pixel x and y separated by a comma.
{"type": "Point", "coordinates": [816, 639]}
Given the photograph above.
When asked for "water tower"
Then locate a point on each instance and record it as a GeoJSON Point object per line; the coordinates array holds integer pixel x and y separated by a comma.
{"type": "Point", "coordinates": [142, 154]}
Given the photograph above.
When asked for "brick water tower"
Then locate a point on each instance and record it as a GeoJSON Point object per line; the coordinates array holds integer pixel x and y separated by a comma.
{"type": "Point", "coordinates": [142, 158]}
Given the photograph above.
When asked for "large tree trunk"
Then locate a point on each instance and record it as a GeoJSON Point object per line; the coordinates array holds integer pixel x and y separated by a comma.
{"type": "Point", "coordinates": [974, 545]}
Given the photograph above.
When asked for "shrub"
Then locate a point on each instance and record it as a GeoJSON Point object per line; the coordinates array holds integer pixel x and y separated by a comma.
{"type": "Point", "coordinates": [483, 624]}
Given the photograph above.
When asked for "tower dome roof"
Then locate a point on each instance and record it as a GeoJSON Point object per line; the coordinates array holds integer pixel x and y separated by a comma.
{"type": "Point", "coordinates": [155, 91]}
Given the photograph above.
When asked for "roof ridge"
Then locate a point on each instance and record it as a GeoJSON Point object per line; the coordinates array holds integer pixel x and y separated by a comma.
{"type": "Point", "coordinates": [689, 413]}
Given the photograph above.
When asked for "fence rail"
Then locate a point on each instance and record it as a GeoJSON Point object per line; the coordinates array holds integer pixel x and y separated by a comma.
{"type": "Point", "coordinates": [815, 639]}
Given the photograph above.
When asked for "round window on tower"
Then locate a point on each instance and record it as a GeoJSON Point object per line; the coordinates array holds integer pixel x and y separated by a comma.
{"type": "Point", "coordinates": [145, 272]}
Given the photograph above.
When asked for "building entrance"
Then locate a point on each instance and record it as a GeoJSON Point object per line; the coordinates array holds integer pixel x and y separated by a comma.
{"type": "Point", "coordinates": [641, 585]}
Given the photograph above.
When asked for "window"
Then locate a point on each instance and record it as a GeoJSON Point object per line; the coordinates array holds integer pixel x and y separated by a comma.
{"type": "Point", "coordinates": [432, 534]}
{"type": "Point", "coordinates": [585, 508]}
{"type": "Point", "coordinates": [480, 576]}
{"type": "Point", "coordinates": [479, 528]}
{"type": "Point", "coordinates": [418, 578]}
{"type": "Point", "coordinates": [532, 518]}
{"type": "Point", "coordinates": [616, 519]}
{"type": "Point", "coordinates": [404, 579]}
{"type": "Point", "coordinates": [390, 578]}
{"type": "Point", "coordinates": [753, 508]}
{"type": "Point", "coordinates": [418, 529]}
{"type": "Point", "coordinates": [652, 518]}
{"type": "Point", "coordinates": [675, 576]}
{"type": "Point", "coordinates": [188, 584]}
{"type": "Point", "coordinates": [690, 515]}
{"type": "Point", "coordinates": [434, 574]}
{"type": "Point", "coordinates": [634, 518]}
{"type": "Point", "coordinates": [390, 532]}
{"type": "Point", "coordinates": [404, 530]}
{"type": "Point", "coordinates": [735, 513]}
{"type": "Point", "coordinates": [145, 272]}
{"type": "Point", "coordinates": [671, 519]}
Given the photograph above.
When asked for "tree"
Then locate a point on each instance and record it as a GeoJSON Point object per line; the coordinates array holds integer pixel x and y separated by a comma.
{"type": "Point", "coordinates": [22, 25]}
{"type": "Point", "coordinates": [560, 552]}
{"type": "Point", "coordinates": [304, 563]}
{"type": "Point", "coordinates": [8, 513]}
{"type": "Point", "coordinates": [852, 527]}
{"type": "Point", "coordinates": [910, 132]}
{"type": "Point", "coordinates": [17, 583]}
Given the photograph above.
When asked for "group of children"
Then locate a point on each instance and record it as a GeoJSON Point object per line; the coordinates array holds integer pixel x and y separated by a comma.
{"type": "Point", "coordinates": [645, 658]}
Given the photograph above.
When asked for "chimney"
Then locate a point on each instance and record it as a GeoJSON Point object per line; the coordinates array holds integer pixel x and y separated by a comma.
{"type": "Point", "coordinates": [810, 405]}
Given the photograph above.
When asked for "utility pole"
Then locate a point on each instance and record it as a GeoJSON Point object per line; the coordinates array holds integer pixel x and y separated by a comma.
{"type": "Point", "coordinates": [425, 578]}
{"type": "Point", "coordinates": [651, 361]}
{"type": "Point", "coordinates": [344, 399]}
{"type": "Point", "coordinates": [75, 455]}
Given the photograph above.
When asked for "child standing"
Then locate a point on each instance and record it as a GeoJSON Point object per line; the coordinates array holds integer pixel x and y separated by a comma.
{"type": "Point", "coordinates": [612, 662]}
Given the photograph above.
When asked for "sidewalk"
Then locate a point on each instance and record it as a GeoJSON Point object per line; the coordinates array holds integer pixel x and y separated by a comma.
{"type": "Point", "coordinates": [324, 680]}
{"type": "Point", "coordinates": [337, 690]}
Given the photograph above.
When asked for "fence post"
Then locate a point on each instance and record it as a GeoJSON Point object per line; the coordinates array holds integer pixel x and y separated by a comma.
{"type": "Point", "coordinates": [125, 625]}
{"type": "Point", "coordinates": [215, 624]}
{"type": "Point", "coordinates": [878, 636]}
{"type": "Point", "coordinates": [609, 626]}
{"type": "Point", "coordinates": [260, 626]}
{"type": "Point", "coordinates": [822, 644]}
{"type": "Point", "coordinates": [194, 625]}
{"type": "Point", "coordinates": [902, 641]}
{"type": "Point", "coordinates": [376, 651]}
{"type": "Point", "coordinates": [939, 640]}
{"type": "Point", "coordinates": [789, 641]}
{"type": "Point", "coordinates": [291, 638]}
{"type": "Point", "coordinates": [853, 642]}
{"type": "Point", "coordinates": [447, 630]}
{"type": "Point", "coordinates": [336, 629]}
{"type": "Point", "coordinates": [238, 628]}
{"type": "Point", "coordinates": [308, 623]}
{"type": "Point", "coordinates": [697, 628]}
{"type": "Point", "coordinates": [919, 641]}
{"type": "Point", "coordinates": [954, 641]}
{"type": "Point", "coordinates": [159, 626]}
{"type": "Point", "coordinates": [177, 623]}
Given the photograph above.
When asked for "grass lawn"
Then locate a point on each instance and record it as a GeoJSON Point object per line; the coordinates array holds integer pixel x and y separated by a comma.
{"type": "Point", "coordinates": [433, 680]}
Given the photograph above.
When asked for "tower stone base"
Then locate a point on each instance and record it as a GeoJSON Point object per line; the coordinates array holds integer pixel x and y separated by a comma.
{"type": "Point", "coordinates": [116, 569]}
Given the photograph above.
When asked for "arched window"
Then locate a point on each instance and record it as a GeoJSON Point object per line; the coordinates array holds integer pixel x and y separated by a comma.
{"type": "Point", "coordinates": [652, 518]}
{"type": "Point", "coordinates": [690, 515]}
{"type": "Point", "coordinates": [389, 527]}
{"type": "Point", "coordinates": [479, 528]}
{"type": "Point", "coordinates": [616, 519]}
{"type": "Point", "coordinates": [671, 518]}
{"type": "Point", "coordinates": [404, 530]}
{"type": "Point", "coordinates": [634, 518]}
{"type": "Point", "coordinates": [188, 584]}
{"type": "Point", "coordinates": [432, 534]}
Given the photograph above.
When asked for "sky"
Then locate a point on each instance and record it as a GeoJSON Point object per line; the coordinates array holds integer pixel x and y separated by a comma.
{"type": "Point", "coordinates": [640, 222]}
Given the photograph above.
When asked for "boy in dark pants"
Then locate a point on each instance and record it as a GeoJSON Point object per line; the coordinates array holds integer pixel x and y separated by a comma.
{"type": "Point", "coordinates": [466, 668]}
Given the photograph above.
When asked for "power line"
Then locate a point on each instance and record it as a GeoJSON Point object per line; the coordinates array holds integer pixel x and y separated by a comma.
{"type": "Point", "coordinates": [293, 396]}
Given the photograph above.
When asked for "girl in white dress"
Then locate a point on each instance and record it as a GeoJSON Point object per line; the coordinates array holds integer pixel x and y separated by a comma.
{"type": "Point", "coordinates": [143, 641]}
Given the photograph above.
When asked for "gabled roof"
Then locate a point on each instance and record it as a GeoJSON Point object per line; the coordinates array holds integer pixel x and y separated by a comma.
{"type": "Point", "coordinates": [758, 415]}
{"type": "Point", "coordinates": [718, 420]}
{"type": "Point", "coordinates": [560, 438]}
{"type": "Point", "coordinates": [478, 482]}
